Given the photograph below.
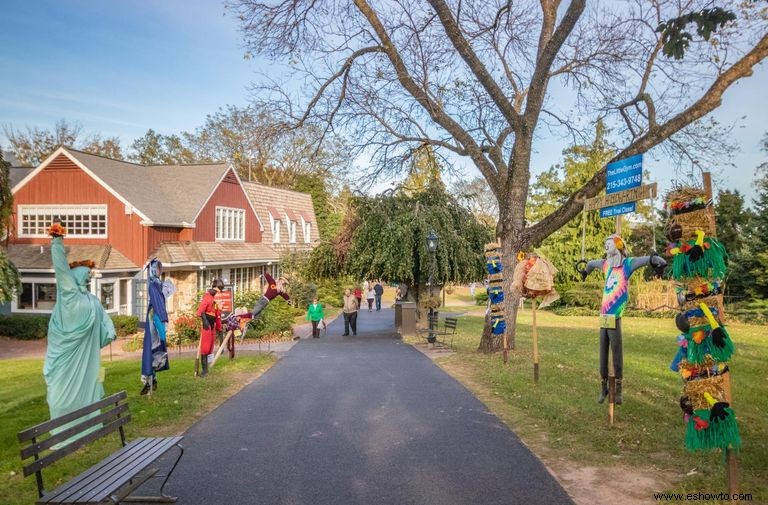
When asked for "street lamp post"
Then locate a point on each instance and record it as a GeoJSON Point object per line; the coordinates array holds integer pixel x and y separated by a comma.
{"type": "Point", "coordinates": [432, 241]}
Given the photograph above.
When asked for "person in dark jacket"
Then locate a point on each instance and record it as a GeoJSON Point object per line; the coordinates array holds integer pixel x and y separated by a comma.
{"type": "Point", "coordinates": [378, 290]}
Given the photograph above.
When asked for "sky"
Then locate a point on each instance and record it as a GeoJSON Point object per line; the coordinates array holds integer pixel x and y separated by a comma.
{"type": "Point", "coordinates": [122, 67]}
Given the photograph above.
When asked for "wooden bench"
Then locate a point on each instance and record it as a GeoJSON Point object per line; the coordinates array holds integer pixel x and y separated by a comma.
{"type": "Point", "coordinates": [443, 335]}
{"type": "Point", "coordinates": [109, 481]}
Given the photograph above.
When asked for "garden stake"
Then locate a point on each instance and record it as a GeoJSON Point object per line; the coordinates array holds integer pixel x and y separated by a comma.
{"type": "Point", "coordinates": [535, 343]}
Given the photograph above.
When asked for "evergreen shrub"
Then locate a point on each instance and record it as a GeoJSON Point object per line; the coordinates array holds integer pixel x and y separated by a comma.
{"type": "Point", "coordinates": [125, 325]}
{"type": "Point", "coordinates": [24, 327]}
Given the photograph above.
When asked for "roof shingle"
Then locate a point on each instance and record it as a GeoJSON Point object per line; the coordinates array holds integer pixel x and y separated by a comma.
{"type": "Point", "coordinates": [166, 194]}
{"type": "Point", "coordinates": [38, 257]}
{"type": "Point", "coordinates": [179, 253]}
{"type": "Point", "coordinates": [266, 200]}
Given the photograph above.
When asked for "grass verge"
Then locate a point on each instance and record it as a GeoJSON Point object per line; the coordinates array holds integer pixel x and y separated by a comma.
{"type": "Point", "coordinates": [179, 402]}
{"type": "Point", "coordinates": [561, 421]}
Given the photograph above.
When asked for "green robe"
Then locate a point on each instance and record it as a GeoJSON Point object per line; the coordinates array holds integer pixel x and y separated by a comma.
{"type": "Point", "coordinates": [78, 329]}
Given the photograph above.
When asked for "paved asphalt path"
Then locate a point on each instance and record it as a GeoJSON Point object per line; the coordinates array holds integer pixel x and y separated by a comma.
{"type": "Point", "coordinates": [357, 420]}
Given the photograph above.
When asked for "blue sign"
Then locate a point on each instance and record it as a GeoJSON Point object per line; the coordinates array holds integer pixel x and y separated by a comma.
{"type": "Point", "coordinates": [620, 176]}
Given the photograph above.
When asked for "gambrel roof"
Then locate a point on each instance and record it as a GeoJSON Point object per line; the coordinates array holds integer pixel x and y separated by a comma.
{"type": "Point", "coordinates": [164, 195]}
{"type": "Point", "coordinates": [282, 203]}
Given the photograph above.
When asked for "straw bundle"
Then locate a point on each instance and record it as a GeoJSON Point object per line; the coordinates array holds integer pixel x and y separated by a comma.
{"type": "Point", "coordinates": [711, 301]}
{"type": "Point", "coordinates": [695, 390]}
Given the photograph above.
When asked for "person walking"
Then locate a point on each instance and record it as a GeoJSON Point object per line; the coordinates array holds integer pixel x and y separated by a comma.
{"type": "Point", "coordinates": [351, 305]}
{"type": "Point", "coordinates": [315, 315]}
{"type": "Point", "coordinates": [378, 290]}
{"type": "Point", "coordinates": [369, 297]}
{"type": "Point", "coordinates": [359, 296]}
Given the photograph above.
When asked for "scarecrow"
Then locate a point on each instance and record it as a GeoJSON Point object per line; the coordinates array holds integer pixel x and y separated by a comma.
{"type": "Point", "coordinates": [617, 268]}
{"type": "Point", "coordinates": [154, 357]}
{"type": "Point", "coordinates": [274, 289]}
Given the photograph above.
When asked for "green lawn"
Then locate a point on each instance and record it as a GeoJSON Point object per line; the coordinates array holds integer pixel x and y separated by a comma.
{"type": "Point", "coordinates": [560, 417]}
{"type": "Point", "coordinates": [179, 401]}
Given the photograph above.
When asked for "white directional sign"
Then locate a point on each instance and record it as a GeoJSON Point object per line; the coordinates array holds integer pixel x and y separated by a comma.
{"type": "Point", "coordinates": [621, 198]}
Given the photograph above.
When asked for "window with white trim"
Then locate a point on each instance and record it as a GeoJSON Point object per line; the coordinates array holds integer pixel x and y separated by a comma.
{"type": "Point", "coordinates": [291, 225]}
{"type": "Point", "coordinates": [230, 223]}
{"type": "Point", "coordinates": [37, 295]}
{"type": "Point", "coordinates": [275, 225]}
{"type": "Point", "coordinates": [242, 278]}
{"type": "Point", "coordinates": [81, 221]}
{"type": "Point", "coordinates": [307, 228]}
{"type": "Point", "coordinates": [107, 295]}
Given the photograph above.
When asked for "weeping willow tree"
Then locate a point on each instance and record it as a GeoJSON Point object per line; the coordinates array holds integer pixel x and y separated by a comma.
{"type": "Point", "coordinates": [385, 237]}
{"type": "Point", "coordinates": [9, 275]}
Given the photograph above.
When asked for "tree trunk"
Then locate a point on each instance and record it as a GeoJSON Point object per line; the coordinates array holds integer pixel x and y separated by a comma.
{"type": "Point", "coordinates": [489, 343]}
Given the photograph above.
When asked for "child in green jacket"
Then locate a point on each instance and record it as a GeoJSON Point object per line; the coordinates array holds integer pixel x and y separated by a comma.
{"type": "Point", "coordinates": [315, 314]}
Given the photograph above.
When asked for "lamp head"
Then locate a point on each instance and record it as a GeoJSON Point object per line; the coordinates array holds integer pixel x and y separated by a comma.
{"type": "Point", "coordinates": [432, 241]}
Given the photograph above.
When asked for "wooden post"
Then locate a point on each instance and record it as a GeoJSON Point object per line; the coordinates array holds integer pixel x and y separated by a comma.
{"type": "Point", "coordinates": [535, 343]}
{"type": "Point", "coordinates": [611, 371]}
{"type": "Point", "coordinates": [731, 462]}
{"type": "Point", "coordinates": [222, 347]}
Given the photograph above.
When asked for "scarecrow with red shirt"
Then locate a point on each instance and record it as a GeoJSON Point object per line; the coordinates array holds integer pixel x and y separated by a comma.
{"type": "Point", "coordinates": [274, 289]}
{"type": "Point", "coordinates": [210, 314]}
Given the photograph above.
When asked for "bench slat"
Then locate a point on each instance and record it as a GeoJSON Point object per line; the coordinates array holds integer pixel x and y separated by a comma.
{"type": "Point", "coordinates": [103, 479]}
{"type": "Point", "coordinates": [107, 416]}
{"type": "Point", "coordinates": [73, 446]}
{"type": "Point", "coordinates": [85, 478]}
{"type": "Point", "coordinates": [137, 466]}
{"type": "Point", "coordinates": [44, 427]}
{"type": "Point", "coordinates": [122, 472]}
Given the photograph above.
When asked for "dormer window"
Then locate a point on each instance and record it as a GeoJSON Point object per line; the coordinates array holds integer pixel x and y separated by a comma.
{"type": "Point", "coordinates": [230, 224]}
{"type": "Point", "coordinates": [274, 224]}
{"type": "Point", "coordinates": [306, 226]}
{"type": "Point", "coordinates": [290, 223]}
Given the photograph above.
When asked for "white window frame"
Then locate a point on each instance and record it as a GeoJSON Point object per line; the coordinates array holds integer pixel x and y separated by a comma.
{"type": "Point", "coordinates": [48, 212]}
{"type": "Point", "coordinates": [275, 227]}
{"type": "Point", "coordinates": [306, 227]}
{"type": "Point", "coordinates": [291, 225]}
{"type": "Point", "coordinates": [230, 224]}
{"type": "Point", "coordinates": [32, 280]}
{"type": "Point", "coordinates": [115, 294]}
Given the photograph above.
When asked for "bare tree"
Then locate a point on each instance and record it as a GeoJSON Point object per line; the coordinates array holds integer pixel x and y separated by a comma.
{"type": "Point", "coordinates": [32, 145]}
{"type": "Point", "coordinates": [256, 143]}
{"type": "Point", "coordinates": [475, 78]}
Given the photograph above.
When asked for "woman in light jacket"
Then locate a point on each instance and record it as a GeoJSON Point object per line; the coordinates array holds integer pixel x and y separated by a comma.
{"type": "Point", "coordinates": [350, 312]}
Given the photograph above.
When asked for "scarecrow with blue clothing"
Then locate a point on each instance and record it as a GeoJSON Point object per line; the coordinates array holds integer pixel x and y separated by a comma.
{"type": "Point", "coordinates": [154, 357]}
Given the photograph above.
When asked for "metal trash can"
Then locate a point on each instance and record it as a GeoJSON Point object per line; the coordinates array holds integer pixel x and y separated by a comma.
{"type": "Point", "coordinates": [398, 316]}
{"type": "Point", "coordinates": [408, 319]}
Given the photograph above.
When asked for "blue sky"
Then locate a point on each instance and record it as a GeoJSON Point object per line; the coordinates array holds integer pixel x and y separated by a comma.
{"type": "Point", "coordinates": [122, 67]}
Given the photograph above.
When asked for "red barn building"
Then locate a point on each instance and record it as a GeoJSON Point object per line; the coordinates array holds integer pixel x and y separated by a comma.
{"type": "Point", "coordinates": [199, 220]}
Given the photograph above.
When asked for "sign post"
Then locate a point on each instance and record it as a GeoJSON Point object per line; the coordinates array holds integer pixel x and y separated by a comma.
{"type": "Point", "coordinates": [225, 300]}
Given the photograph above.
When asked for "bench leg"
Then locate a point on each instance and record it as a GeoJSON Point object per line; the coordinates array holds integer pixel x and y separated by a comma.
{"type": "Point", "coordinates": [162, 497]}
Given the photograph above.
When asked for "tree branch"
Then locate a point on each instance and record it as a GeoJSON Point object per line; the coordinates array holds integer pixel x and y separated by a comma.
{"type": "Point", "coordinates": [343, 71]}
{"type": "Point", "coordinates": [477, 67]}
{"type": "Point", "coordinates": [434, 110]}
{"type": "Point", "coordinates": [708, 102]}
{"type": "Point", "coordinates": [546, 57]}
